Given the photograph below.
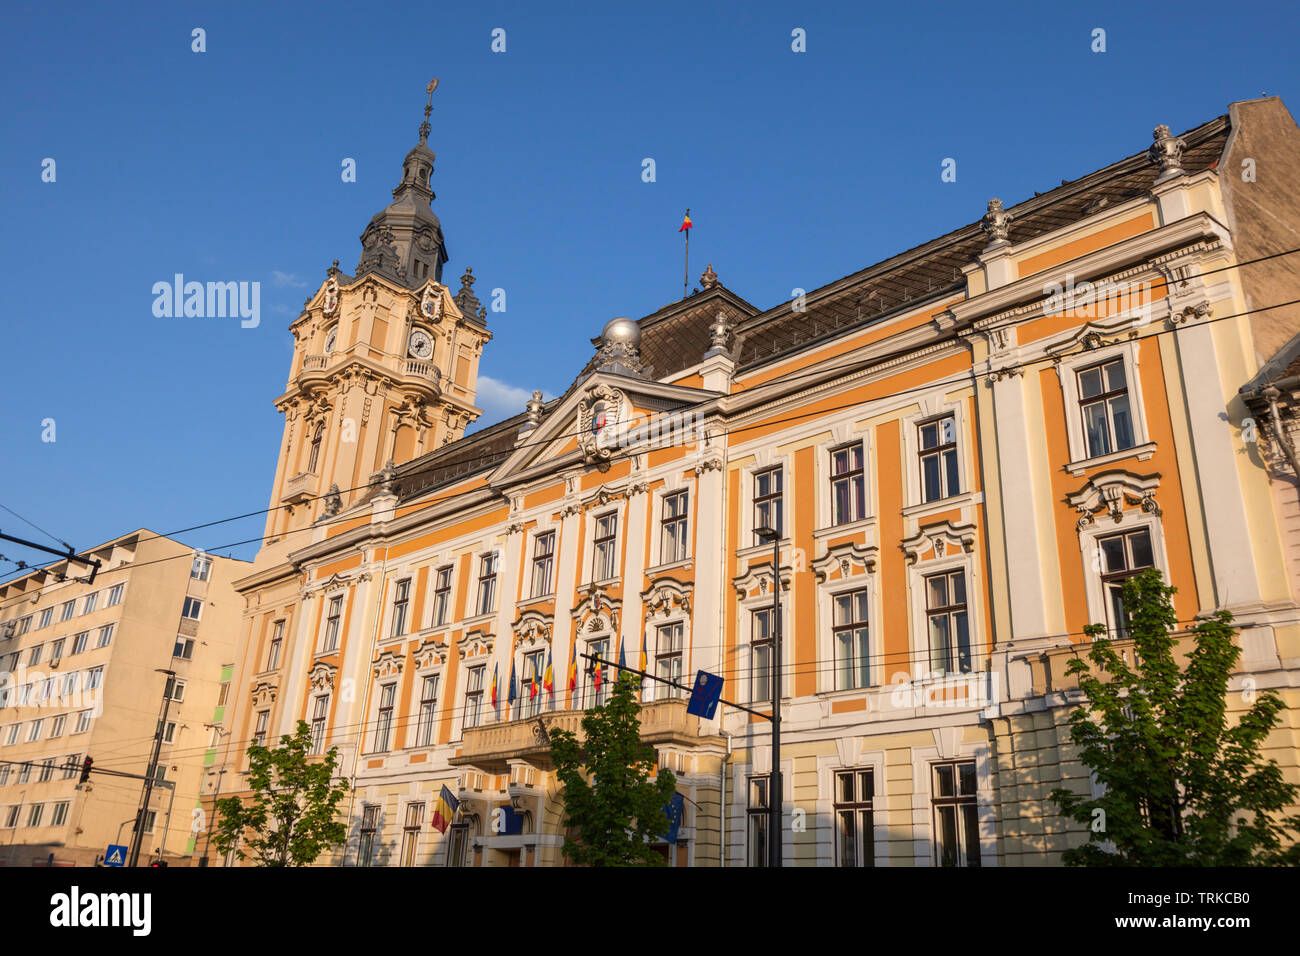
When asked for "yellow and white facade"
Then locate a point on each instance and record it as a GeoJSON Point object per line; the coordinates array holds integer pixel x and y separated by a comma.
{"type": "Point", "coordinates": [965, 448]}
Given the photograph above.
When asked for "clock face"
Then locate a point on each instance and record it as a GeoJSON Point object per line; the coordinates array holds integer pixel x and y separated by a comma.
{"type": "Point", "coordinates": [421, 344]}
{"type": "Point", "coordinates": [330, 339]}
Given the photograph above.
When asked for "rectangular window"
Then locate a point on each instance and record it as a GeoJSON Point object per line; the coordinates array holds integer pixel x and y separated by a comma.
{"type": "Point", "coordinates": [34, 814]}
{"type": "Point", "coordinates": [852, 649]}
{"type": "Point", "coordinates": [401, 602]}
{"type": "Point", "coordinates": [192, 610]}
{"type": "Point", "coordinates": [956, 814]}
{"type": "Point", "coordinates": [47, 772]}
{"type": "Point", "coordinates": [79, 642]}
{"type": "Point", "coordinates": [24, 773]}
{"type": "Point", "coordinates": [757, 821]}
{"type": "Point", "coordinates": [176, 689]}
{"type": "Point", "coordinates": [56, 651]}
{"type": "Point", "coordinates": [115, 595]}
{"type": "Point", "coordinates": [769, 500]}
{"type": "Point", "coordinates": [596, 692]}
{"type": "Point", "coordinates": [487, 583]}
{"type": "Point", "coordinates": [531, 689]}
{"type": "Point", "coordinates": [169, 732]}
{"type": "Point", "coordinates": [938, 453]}
{"type": "Point", "coordinates": [56, 725]}
{"type": "Point", "coordinates": [71, 766]}
{"type": "Point", "coordinates": [320, 709]}
{"type": "Point", "coordinates": [411, 832]}
{"type": "Point", "coordinates": [384, 721]}
{"type": "Point", "coordinates": [184, 648]}
{"type": "Point", "coordinates": [673, 531]}
{"type": "Point", "coordinates": [668, 659]}
{"type": "Point", "coordinates": [442, 596]}
{"type": "Point", "coordinates": [150, 819]}
{"type": "Point", "coordinates": [332, 618]}
{"type": "Point", "coordinates": [474, 696]}
{"type": "Point", "coordinates": [34, 733]}
{"type": "Point", "coordinates": [603, 559]}
{"type": "Point", "coordinates": [88, 602]}
{"type": "Point", "coordinates": [760, 666]}
{"type": "Point", "coordinates": [543, 563]}
{"type": "Point", "coordinates": [424, 734]}
{"type": "Point", "coordinates": [4, 774]}
{"type": "Point", "coordinates": [105, 636]}
{"type": "Point", "coordinates": [366, 844]}
{"type": "Point", "coordinates": [947, 620]}
{"type": "Point", "coordinates": [848, 491]}
{"type": "Point", "coordinates": [46, 616]}
{"type": "Point", "coordinates": [1104, 405]}
{"type": "Point", "coordinates": [273, 652]}
{"type": "Point", "coordinates": [13, 735]}
{"type": "Point", "coordinates": [854, 831]}
{"type": "Point", "coordinates": [65, 610]}
{"type": "Point", "coordinates": [223, 694]}
{"type": "Point", "coordinates": [94, 677]}
{"type": "Point", "coordinates": [60, 815]}
{"type": "Point", "coordinates": [259, 729]}
{"type": "Point", "coordinates": [201, 567]}
{"type": "Point", "coordinates": [1122, 556]}
{"type": "Point", "coordinates": [24, 625]}
{"type": "Point", "coordinates": [34, 656]}
{"type": "Point", "coordinates": [11, 819]}
{"type": "Point", "coordinates": [458, 848]}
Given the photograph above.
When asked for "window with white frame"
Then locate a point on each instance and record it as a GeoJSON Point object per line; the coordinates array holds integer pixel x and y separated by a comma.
{"type": "Point", "coordinates": [669, 640]}
{"type": "Point", "coordinates": [852, 646]}
{"type": "Point", "coordinates": [1122, 556]}
{"type": "Point", "coordinates": [83, 721]}
{"type": "Point", "coordinates": [34, 733]}
{"type": "Point", "coordinates": [854, 823]}
{"type": "Point", "coordinates": [366, 840]}
{"type": "Point", "coordinates": [534, 667]}
{"type": "Point", "coordinates": [71, 766]}
{"type": "Point", "coordinates": [176, 688]}
{"type": "Point", "coordinates": [756, 818]}
{"type": "Point", "coordinates": [937, 450]}
{"type": "Point", "coordinates": [848, 485]}
{"type": "Point", "coordinates": [673, 527]}
{"type": "Point", "coordinates": [60, 815]}
{"type": "Point", "coordinates": [46, 616]}
{"type": "Point", "coordinates": [4, 774]}
{"type": "Point", "coordinates": [115, 595]}
{"type": "Point", "coordinates": [769, 501]}
{"type": "Point", "coordinates": [333, 616]}
{"type": "Point", "coordinates": [401, 603]}
{"type": "Point", "coordinates": [169, 732]}
{"type": "Point", "coordinates": [24, 625]}
{"type": "Point", "coordinates": [474, 695]}
{"type": "Point", "coordinates": [487, 582]}
{"type": "Point", "coordinates": [94, 677]}
{"type": "Point", "coordinates": [201, 567]}
{"type": "Point", "coordinates": [105, 636]}
{"type": "Point", "coordinates": [276, 646]}
{"type": "Point", "coordinates": [56, 650]}
{"type": "Point", "coordinates": [425, 725]}
{"type": "Point", "coordinates": [596, 680]}
{"type": "Point", "coordinates": [34, 814]}
{"type": "Point", "coordinates": [1104, 408]}
{"type": "Point", "coordinates": [947, 622]}
{"type": "Point", "coordinates": [184, 648]}
{"type": "Point", "coordinates": [56, 726]}
{"type": "Point", "coordinates": [260, 728]}
{"type": "Point", "coordinates": [65, 611]}
{"type": "Point", "coordinates": [24, 773]}
{"type": "Point", "coordinates": [411, 832]}
{"type": "Point", "coordinates": [313, 457]}
{"type": "Point", "coordinates": [79, 642]}
{"type": "Point", "coordinates": [320, 709]}
{"type": "Point", "coordinates": [384, 717]}
{"type": "Point", "coordinates": [605, 553]}
{"type": "Point", "coordinates": [88, 602]}
{"type": "Point", "coordinates": [760, 655]}
{"type": "Point", "coordinates": [34, 655]}
{"type": "Point", "coordinates": [442, 596]}
{"type": "Point", "coordinates": [543, 563]}
{"type": "Point", "coordinates": [956, 813]}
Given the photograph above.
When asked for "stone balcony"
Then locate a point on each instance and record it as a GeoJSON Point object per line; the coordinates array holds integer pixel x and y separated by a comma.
{"type": "Point", "coordinates": [490, 748]}
{"type": "Point", "coordinates": [301, 487]}
{"type": "Point", "coordinates": [423, 375]}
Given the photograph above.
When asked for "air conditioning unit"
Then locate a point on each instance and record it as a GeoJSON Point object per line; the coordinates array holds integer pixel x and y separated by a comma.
{"type": "Point", "coordinates": [54, 663]}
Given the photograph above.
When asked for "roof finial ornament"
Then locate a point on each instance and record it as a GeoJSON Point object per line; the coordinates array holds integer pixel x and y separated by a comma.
{"type": "Point", "coordinates": [428, 109]}
{"type": "Point", "coordinates": [708, 278]}
{"type": "Point", "coordinates": [996, 222]}
{"type": "Point", "coordinates": [1167, 152]}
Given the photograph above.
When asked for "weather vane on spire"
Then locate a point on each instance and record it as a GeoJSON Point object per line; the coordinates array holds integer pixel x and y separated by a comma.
{"type": "Point", "coordinates": [428, 109]}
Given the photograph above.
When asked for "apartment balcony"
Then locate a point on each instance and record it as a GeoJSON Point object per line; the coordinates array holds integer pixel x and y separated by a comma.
{"type": "Point", "coordinates": [492, 747]}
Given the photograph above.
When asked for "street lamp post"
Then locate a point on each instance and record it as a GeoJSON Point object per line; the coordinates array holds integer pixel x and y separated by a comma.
{"type": "Point", "coordinates": [774, 816]}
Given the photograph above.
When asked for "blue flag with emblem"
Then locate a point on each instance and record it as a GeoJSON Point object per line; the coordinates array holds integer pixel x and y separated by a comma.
{"type": "Point", "coordinates": [510, 697]}
{"type": "Point", "coordinates": [674, 811]}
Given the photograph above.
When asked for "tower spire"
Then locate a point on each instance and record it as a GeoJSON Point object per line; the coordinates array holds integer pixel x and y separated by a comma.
{"type": "Point", "coordinates": [425, 128]}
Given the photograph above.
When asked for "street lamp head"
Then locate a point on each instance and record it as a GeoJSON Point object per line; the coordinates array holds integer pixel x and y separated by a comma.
{"type": "Point", "coordinates": [767, 534]}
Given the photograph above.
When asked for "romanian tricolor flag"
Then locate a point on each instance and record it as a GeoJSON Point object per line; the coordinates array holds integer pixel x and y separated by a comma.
{"type": "Point", "coordinates": [642, 663]}
{"type": "Point", "coordinates": [595, 674]}
{"type": "Point", "coordinates": [686, 222]}
{"type": "Point", "coordinates": [573, 668]}
{"type": "Point", "coordinates": [532, 685]}
{"type": "Point", "coordinates": [494, 687]}
{"type": "Point", "coordinates": [444, 811]}
{"type": "Point", "coordinates": [548, 679]}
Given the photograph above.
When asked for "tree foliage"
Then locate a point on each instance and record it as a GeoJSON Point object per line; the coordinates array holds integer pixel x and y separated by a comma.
{"type": "Point", "coordinates": [613, 803]}
{"type": "Point", "coordinates": [291, 818]}
{"type": "Point", "coordinates": [1183, 785]}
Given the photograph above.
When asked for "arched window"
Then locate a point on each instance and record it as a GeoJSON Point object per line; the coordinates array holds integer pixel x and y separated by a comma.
{"type": "Point", "coordinates": [314, 458]}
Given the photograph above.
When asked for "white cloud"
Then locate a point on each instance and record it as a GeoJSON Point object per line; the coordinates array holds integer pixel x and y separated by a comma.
{"type": "Point", "coordinates": [289, 279]}
{"type": "Point", "coordinates": [500, 400]}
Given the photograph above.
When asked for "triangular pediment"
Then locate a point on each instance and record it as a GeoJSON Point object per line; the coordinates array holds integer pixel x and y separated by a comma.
{"type": "Point", "coordinates": [604, 417]}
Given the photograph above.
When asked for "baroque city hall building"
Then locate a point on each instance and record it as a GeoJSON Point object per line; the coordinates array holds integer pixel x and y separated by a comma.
{"type": "Point", "coordinates": [966, 449]}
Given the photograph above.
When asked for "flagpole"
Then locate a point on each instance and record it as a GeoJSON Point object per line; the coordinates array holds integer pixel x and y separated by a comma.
{"type": "Point", "coordinates": [686, 272]}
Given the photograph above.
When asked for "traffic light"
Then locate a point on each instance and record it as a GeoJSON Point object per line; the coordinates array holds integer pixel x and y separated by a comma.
{"type": "Point", "coordinates": [85, 770]}
{"type": "Point", "coordinates": [158, 863]}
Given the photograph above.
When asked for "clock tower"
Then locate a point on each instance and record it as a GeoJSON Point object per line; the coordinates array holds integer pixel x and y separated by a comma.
{"type": "Point", "coordinates": [385, 362]}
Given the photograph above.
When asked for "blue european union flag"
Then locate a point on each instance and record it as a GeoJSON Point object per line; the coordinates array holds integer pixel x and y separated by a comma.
{"type": "Point", "coordinates": [705, 695]}
{"type": "Point", "coordinates": [674, 811]}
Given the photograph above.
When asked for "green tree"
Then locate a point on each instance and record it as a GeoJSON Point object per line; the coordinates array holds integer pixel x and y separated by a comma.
{"type": "Point", "coordinates": [291, 818]}
{"type": "Point", "coordinates": [1183, 786]}
{"type": "Point", "coordinates": [611, 802]}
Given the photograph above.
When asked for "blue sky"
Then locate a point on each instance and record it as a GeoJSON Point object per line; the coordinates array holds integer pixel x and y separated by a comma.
{"type": "Point", "coordinates": [225, 166]}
